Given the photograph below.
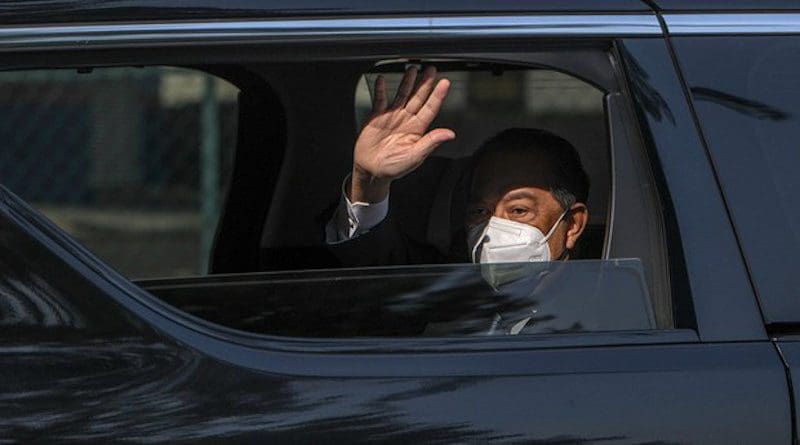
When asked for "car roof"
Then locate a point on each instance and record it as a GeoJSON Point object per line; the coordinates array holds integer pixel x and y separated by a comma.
{"type": "Point", "coordinates": [83, 11]}
{"type": "Point", "coordinates": [727, 5]}
{"type": "Point", "coordinates": [62, 11]}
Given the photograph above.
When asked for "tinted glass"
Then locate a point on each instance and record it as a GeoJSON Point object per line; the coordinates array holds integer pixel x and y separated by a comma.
{"type": "Point", "coordinates": [747, 95]}
{"type": "Point", "coordinates": [446, 300]}
{"type": "Point", "coordinates": [129, 161]}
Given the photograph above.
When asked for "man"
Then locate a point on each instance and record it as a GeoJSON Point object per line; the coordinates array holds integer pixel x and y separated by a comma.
{"type": "Point", "coordinates": [526, 200]}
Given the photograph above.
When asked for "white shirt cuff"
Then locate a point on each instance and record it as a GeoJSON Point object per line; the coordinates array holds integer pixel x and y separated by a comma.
{"type": "Point", "coordinates": [352, 219]}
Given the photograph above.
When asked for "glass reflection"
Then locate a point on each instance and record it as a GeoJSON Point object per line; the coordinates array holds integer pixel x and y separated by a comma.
{"type": "Point", "coordinates": [34, 302]}
{"type": "Point", "coordinates": [642, 86]}
{"type": "Point", "coordinates": [411, 301]}
{"type": "Point", "coordinates": [748, 107]}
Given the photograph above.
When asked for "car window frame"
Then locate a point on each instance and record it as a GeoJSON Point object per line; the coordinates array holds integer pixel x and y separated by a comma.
{"type": "Point", "coordinates": [680, 335]}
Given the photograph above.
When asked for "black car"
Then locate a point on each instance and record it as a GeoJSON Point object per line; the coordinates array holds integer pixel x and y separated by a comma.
{"type": "Point", "coordinates": [166, 279]}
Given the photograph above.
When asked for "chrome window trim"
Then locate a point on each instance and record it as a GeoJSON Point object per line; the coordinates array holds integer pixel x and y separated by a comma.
{"type": "Point", "coordinates": [35, 37]}
{"type": "Point", "coordinates": [738, 24]}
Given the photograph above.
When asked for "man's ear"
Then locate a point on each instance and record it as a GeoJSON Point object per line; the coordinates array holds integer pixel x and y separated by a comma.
{"type": "Point", "coordinates": [577, 220]}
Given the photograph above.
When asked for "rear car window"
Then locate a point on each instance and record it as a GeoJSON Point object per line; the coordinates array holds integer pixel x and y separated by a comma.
{"type": "Point", "coordinates": [747, 96]}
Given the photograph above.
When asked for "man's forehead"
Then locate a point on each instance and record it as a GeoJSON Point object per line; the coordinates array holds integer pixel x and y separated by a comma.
{"type": "Point", "coordinates": [509, 192]}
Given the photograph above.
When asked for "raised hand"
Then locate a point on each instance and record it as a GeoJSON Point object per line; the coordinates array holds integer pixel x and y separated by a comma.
{"type": "Point", "coordinates": [396, 140]}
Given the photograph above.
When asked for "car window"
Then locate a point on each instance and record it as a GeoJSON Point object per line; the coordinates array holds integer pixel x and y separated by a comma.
{"type": "Point", "coordinates": [426, 209]}
{"type": "Point", "coordinates": [149, 174]}
{"type": "Point", "coordinates": [129, 161]}
{"type": "Point", "coordinates": [425, 301]}
{"type": "Point", "coordinates": [749, 110]}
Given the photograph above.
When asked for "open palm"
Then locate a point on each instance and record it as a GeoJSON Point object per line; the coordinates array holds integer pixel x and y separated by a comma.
{"type": "Point", "coordinates": [396, 139]}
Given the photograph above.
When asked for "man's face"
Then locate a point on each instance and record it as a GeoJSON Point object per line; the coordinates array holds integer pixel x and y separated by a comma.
{"type": "Point", "coordinates": [503, 187]}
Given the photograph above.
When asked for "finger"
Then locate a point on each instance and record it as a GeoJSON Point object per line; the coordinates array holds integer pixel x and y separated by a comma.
{"type": "Point", "coordinates": [419, 97]}
{"type": "Point", "coordinates": [380, 102]}
{"type": "Point", "coordinates": [405, 87]}
{"type": "Point", "coordinates": [431, 108]}
{"type": "Point", "coordinates": [433, 139]}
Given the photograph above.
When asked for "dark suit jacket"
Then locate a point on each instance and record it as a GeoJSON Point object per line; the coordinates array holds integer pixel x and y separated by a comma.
{"type": "Point", "coordinates": [424, 224]}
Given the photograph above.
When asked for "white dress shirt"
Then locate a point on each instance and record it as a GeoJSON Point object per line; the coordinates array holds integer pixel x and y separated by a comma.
{"type": "Point", "coordinates": [352, 219]}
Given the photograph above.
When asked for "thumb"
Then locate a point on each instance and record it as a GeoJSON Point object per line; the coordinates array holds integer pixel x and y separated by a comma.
{"type": "Point", "coordinates": [433, 139]}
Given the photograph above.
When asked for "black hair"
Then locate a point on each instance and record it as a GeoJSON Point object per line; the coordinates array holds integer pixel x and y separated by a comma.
{"type": "Point", "coordinates": [564, 175]}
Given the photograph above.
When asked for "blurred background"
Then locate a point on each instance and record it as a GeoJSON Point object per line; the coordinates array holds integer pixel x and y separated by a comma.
{"type": "Point", "coordinates": [129, 161]}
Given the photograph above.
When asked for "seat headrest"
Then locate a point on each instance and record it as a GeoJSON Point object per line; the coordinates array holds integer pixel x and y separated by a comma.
{"type": "Point", "coordinates": [447, 211]}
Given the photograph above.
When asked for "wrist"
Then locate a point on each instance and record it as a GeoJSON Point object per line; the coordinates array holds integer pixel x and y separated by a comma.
{"type": "Point", "coordinates": [367, 188]}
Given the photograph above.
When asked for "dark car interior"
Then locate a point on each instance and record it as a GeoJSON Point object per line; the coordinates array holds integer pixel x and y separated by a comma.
{"type": "Point", "coordinates": [323, 146]}
{"type": "Point", "coordinates": [297, 126]}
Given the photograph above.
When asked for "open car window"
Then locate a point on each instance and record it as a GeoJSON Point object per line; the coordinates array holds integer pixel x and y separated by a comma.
{"type": "Point", "coordinates": [216, 200]}
{"type": "Point", "coordinates": [486, 98]}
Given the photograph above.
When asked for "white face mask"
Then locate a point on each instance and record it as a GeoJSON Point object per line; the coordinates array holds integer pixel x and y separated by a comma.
{"type": "Point", "coordinates": [505, 241]}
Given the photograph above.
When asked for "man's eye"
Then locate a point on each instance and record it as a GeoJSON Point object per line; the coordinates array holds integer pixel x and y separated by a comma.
{"type": "Point", "coordinates": [519, 211]}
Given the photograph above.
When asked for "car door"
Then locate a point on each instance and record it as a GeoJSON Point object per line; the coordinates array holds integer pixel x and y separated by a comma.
{"type": "Point", "coordinates": [746, 99]}
{"type": "Point", "coordinates": [89, 356]}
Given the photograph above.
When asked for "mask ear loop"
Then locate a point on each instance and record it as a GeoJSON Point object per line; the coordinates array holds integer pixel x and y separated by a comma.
{"type": "Point", "coordinates": [553, 229]}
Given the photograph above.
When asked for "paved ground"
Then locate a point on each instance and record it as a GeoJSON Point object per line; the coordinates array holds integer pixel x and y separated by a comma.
{"type": "Point", "coordinates": [139, 244]}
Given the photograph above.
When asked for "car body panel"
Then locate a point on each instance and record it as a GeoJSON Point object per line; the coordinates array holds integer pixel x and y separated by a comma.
{"type": "Point", "coordinates": [732, 23]}
{"type": "Point", "coordinates": [728, 5]}
{"type": "Point", "coordinates": [129, 369]}
{"type": "Point", "coordinates": [54, 11]}
{"type": "Point", "coordinates": [789, 347]}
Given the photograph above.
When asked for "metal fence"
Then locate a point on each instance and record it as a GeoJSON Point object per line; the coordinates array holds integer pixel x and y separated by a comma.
{"type": "Point", "coordinates": [130, 161]}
